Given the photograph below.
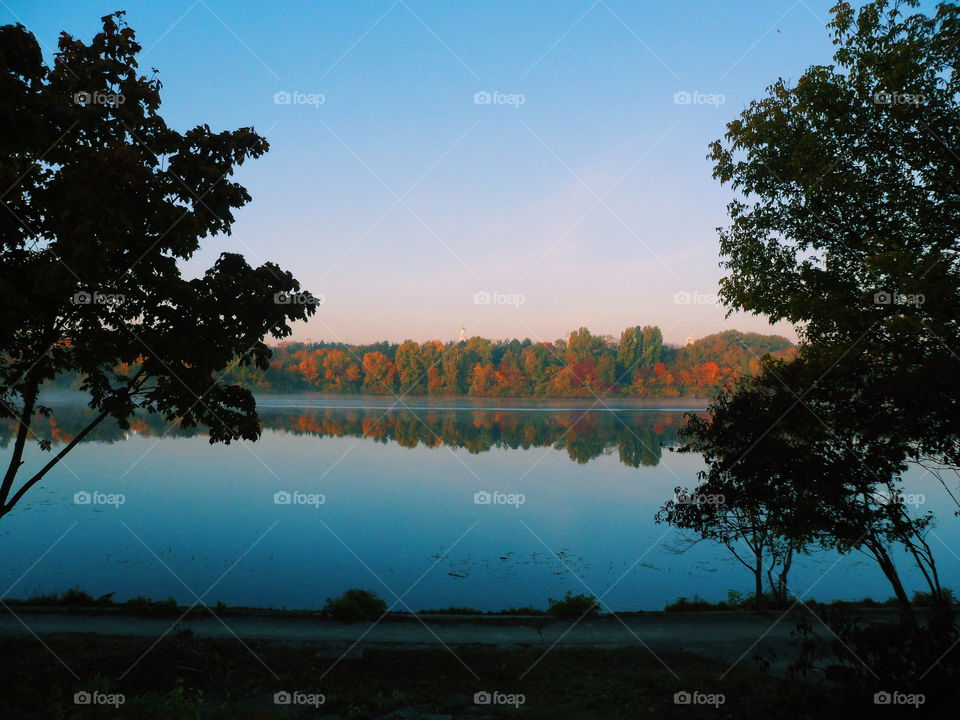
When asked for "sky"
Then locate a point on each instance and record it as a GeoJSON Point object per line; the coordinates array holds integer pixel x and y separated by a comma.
{"type": "Point", "coordinates": [520, 169]}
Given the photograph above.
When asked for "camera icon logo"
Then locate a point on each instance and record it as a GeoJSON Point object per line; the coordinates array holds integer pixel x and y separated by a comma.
{"type": "Point", "coordinates": [81, 298]}
{"type": "Point", "coordinates": [482, 498]}
{"type": "Point", "coordinates": [482, 298]}
{"type": "Point", "coordinates": [882, 698]}
{"type": "Point", "coordinates": [81, 498]}
{"type": "Point", "coordinates": [282, 498]}
{"type": "Point", "coordinates": [682, 97]}
{"type": "Point", "coordinates": [282, 98]}
{"type": "Point", "coordinates": [882, 298]}
{"type": "Point", "coordinates": [282, 698]}
{"type": "Point", "coordinates": [682, 698]}
{"type": "Point", "coordinates": [82, 98]}
{"type": "Point", "coordinates": [481, 98]}
{"type": "Point", "coordinates": [481, 698]}
{"type": "Point", "coordinates": [682, 298]}
{"type": "Point", "coordinates": [82, 698]}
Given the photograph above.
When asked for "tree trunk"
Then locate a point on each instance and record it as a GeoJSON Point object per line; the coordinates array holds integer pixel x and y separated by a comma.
{"type": "Point", "coordinates": [758, 577]}
{"type": "Point", "coordinates": [907, 616]}
{"type": "Point", "coordinates": [16, 459]}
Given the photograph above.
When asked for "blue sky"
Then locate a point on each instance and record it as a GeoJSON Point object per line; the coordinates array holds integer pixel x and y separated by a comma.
{"type": "Point", "coordinates": [399, 197]}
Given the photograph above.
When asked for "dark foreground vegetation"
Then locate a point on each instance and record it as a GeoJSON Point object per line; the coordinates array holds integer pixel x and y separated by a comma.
{"type": "Point", "coordinates": [184, 677]}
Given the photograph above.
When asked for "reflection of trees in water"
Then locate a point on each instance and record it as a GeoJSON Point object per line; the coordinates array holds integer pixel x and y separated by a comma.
{"type": "Point", "coordinates": [636, 436]}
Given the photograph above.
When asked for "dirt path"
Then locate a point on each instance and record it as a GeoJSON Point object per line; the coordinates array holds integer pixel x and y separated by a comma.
{"type": "Point", "coordinates": [732, 636]}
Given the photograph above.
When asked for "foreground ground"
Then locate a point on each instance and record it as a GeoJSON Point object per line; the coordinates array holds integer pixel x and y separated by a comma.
{"type": "Point", "coordinates": [402, 671]}
{"type": "Point", "coordinates": [186, 677]}
{"type": "Point", "coordinates": [734, 637]}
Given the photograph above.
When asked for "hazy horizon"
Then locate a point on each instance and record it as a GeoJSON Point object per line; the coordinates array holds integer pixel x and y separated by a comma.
{"type": "Point", "coordinates": [504, 338]}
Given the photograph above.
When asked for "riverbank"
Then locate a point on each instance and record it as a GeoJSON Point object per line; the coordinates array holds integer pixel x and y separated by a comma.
{"type": "Point", "coordinates": [732, 637]}
{"type": "Point", "coordinates": [245, 663]}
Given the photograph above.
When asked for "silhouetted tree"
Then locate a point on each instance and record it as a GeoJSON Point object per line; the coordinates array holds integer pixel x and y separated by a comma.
{"type": "Point", "coordinates": [102, 199]}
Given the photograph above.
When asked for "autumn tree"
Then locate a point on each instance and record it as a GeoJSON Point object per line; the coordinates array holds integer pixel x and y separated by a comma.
{"type": "Point", "coordinates": [583, 346]}
{"type": "Point", "coordinates": [379, 374]}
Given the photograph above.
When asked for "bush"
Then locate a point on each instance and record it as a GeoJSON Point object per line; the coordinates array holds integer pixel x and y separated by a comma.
{"type": "Point", "coordinates": [356, 604]}
{"type": "Point", "coordinates": [682, 604]}
{"type": "Point", "coordinates": [574, 606]}
{"type": "Point", "coordinates": [168, 605]}
{"type": "Point", "coordinates": [525, 610]}
{"type": "Point", "coordinates": [925, 598]}
{"type": "Point", "coordinates": [74, 597]}
{"type": "Point", "coordinates": [453, 611]}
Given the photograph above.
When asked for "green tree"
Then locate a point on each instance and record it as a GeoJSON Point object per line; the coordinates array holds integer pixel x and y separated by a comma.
{"type": "Point", "coordinates": [848, 218]}
{"type": "Point", "coordinates": [583, 346]}
{"type": "Point", "coordinates": [629, 354]}
{"type": "Point", "coordinates": [812, 477]}
{"type": "Point", "coordinates": [652, 346]}
{"type": "Point", "coordinates": [411, 371]}
{"type": "Point", "coordinates": [102, 200]}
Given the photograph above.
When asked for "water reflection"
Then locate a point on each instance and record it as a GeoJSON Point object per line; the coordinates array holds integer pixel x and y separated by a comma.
{"type": "Point", "coordinates": [637, 437]}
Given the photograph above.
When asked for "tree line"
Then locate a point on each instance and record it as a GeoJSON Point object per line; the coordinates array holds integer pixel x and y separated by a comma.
{"type": "Point", "coordinates": [638, 364]}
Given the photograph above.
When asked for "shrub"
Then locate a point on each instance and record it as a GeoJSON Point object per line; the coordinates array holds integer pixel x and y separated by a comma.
{"type": "Point", "coordinates": [683, 604]}
{"type": "Point", "coordinates": [525, 610]}
{"type": "Point", "coordinates": [925, 598]}
{"type": "Point", "coordinates": [356, 604]}
{"type": "Point", "coordinates": [169, 604]}
{"type": "Point", "coordinates": [453, 611]}
{"type": "Point", "coordinates": [76, 597]}
{"type": "Point", "coordinates": [574, 606]}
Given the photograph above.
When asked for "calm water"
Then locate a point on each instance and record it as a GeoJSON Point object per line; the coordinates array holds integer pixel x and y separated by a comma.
{"type": "Point", "coordinates": [398, 512]}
